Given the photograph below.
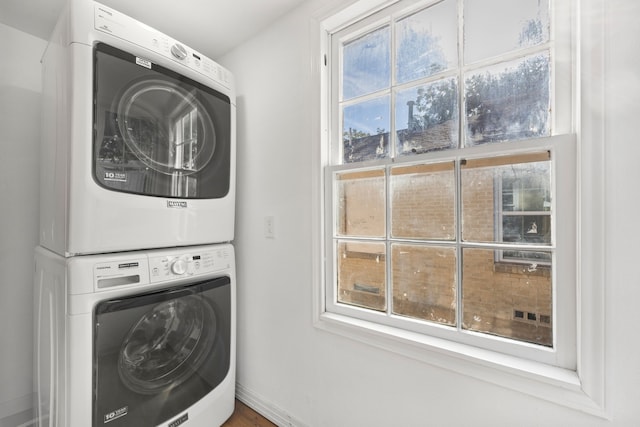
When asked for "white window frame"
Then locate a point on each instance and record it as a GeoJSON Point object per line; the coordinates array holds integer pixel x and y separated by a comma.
{"type": "Point", "coordinates": [562, 150]}
{"type": "Point", "coordinates": [562, 353]}
{"type": "Point", "coordinates": [583, 387]}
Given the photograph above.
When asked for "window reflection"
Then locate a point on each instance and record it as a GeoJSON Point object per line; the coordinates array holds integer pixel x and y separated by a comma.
{"type": "Point", "coordinates": [185, 153]}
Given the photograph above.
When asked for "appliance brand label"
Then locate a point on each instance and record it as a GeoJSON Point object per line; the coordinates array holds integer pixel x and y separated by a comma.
{"type": "Point", "coordinates": [128, 265]}
{"type": "Point", "coordinates": [114, 415]}
{"type": "Point", "coordinates": [176, 204]}
{"type": "Point", "coordinates": [115, 176]}
{"type": "Point", "coordinates": [143, 62]}
{"type": "Point", "coordinates": [108, 12]}
{"type": "Point", "coordinates": [179, 421]}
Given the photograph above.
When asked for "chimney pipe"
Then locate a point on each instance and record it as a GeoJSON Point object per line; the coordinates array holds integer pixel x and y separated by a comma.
{"type": "Point", "coordinates": [410, 119]}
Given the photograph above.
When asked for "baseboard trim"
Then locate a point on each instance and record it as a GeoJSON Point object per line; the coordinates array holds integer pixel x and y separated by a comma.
{"type": "Point", "coordinates": [20, 410]}
{"type": "Point", "coordinates": [267, 409]}
{"type": "Point", "coordinates": [20, 419]}
{"type": "Point", "coordinates": [17, 412]}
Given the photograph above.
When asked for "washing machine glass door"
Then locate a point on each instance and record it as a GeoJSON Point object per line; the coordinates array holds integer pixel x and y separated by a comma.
{"type": "Point", "coordinates": [158, 133]}
{"type": "Point", "coordinates": [157, 354]}
{"type": "Point", "coordinates": [167, 344]}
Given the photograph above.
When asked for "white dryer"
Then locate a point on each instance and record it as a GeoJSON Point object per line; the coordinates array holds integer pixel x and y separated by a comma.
{"type": "Point", "coordinates": [138, 339]}
{"type": "Point", "coordinates": [138, 138]}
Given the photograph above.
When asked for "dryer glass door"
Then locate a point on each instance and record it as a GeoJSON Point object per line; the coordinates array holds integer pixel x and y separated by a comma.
{"type": "Point", "coordinates": [157, 132]}
{"type": "Point", "coordinates": [157, 354]}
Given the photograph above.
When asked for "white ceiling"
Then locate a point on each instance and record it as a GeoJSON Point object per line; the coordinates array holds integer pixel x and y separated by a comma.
{"type": "Point", "coordinates": [212, 27]}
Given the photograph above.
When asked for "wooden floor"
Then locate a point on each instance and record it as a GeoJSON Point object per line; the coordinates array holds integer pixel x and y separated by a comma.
{"type": "Point", "coordinates": [243, 416]}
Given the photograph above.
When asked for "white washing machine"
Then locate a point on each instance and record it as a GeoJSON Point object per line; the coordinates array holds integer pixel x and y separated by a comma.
{"type": "Point", "coordinates": [138, 138]}
{"type": "Point", "coordinates": [136, 339]}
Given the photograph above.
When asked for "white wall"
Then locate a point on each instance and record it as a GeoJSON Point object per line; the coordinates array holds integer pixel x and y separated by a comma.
{"type": "Point", "coordinates": [19, 180]}
{"type": "Point", "coordinates": [290, 369]}
{"type": "Point", "coordinates": [284, 363]}
{"type": "Point", "coordinates": [622, 205]}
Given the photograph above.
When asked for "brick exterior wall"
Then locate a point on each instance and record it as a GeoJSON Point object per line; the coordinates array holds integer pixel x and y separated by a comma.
{"type": "Point", "coordinates": [502, 298]}
{"type": "Point", "coordinates": [424, 282]}
{"type": "Point", "coordinates": [423, 202]}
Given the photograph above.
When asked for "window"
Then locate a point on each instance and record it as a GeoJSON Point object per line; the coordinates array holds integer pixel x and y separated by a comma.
{"type": "Point", "coordinates": [524, 205]}
{"type": "Point", "coordinates": [450, 167]}
{"type": "Point", "coordinates": [185, 152]}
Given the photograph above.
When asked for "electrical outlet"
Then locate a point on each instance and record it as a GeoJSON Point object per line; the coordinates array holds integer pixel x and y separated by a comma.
{"type": "Point", "coordinates": [269, 231]}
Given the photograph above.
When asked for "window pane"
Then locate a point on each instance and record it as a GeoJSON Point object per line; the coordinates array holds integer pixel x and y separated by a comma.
{"type": "Point", "coordinates": [535, 229]}
{"type": "Point", "coordinates": [423, 202]}
{"type": "Point", "coordinates": [512, 301]}
{"type": "Point", "coordinates": [426, 42]}
{"type": "Point", "coordinates": [518, 24]}
{"type": "Point", "coordinates": [361, 203]}
{"type": "Point", "coordinates": [509, 101]}
{"type": "Point", "coordinates": [365, 130]}
{"type": "Point", "coordinates": [361, 274]}
{"type": "Point", "coordinates": [366, 64]}
{"type": "Point", "coordinates": [427, 117]}
{"type": "Point", "coordinates": [507, 199]}
{"type": "Point", "coordinates": [424, 282]}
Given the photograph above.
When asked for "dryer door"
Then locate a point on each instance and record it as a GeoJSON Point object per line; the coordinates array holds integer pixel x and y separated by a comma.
{"type": "Point", "coordinates": [157, 354]}
{"type": "Point", "coordinates": [157, 132]}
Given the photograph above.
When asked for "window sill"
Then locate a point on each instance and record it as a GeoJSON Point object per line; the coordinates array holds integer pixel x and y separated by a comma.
{"type": "Point", "coordinates": [561, 386]}
{"type": "Point", "coordinates": [512, 267]}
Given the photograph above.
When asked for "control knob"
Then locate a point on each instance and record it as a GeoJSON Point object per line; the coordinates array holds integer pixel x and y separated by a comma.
{"type": "Point", "coordinates": [179, 51]}
{"type": "Point", "coordinates": [179, 266]}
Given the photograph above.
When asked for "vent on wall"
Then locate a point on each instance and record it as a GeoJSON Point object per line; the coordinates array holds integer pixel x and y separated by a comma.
{"type": "Point", "coordinates": [366, 288]}
{"type": "Point", "coordinates": [528, 316]}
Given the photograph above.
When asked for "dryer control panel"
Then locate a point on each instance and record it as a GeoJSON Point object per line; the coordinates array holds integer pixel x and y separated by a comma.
{"type": "Point", "coordinates": [124, 27]}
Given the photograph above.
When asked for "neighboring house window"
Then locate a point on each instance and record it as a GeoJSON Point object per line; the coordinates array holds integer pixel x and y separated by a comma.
{"type": "Point", "coordinates": [447, 156]}
{"type": "Point", "coordinates": [523, 198]}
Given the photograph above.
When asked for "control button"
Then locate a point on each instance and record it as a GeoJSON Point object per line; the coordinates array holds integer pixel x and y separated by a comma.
{"type": "Point", "coordinates": [179, 266]}
{"type": "Point", "coordinates": [179, 51]}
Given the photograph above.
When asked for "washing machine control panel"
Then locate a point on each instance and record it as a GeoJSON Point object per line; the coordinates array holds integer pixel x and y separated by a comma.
{"type": "Point", "coordinates": [121, 272]}
{"type": "Point", "coordinates": [160, 266]}
{"type": "Point", "coordinates": [172, 266]}
{"type": "Point", "coordinates": [180, 265]}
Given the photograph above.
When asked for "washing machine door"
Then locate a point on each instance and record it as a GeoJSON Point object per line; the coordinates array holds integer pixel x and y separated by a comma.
{"type": "Point", "coordinates": [157, 132]}
{"type": "Point", "coordinates": [157, 354]}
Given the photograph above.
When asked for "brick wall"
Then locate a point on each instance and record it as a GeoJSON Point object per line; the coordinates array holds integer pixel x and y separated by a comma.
{"type": "Point", "coordinates": [507, 299]}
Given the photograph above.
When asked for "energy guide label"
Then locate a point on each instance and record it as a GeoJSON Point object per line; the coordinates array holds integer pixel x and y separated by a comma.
{"type": "Point", "coordinates": [115, 176]}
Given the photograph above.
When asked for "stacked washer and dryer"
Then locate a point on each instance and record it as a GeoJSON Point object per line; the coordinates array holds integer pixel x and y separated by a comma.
{"type": "Point", "coordinates": [135, 272]}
